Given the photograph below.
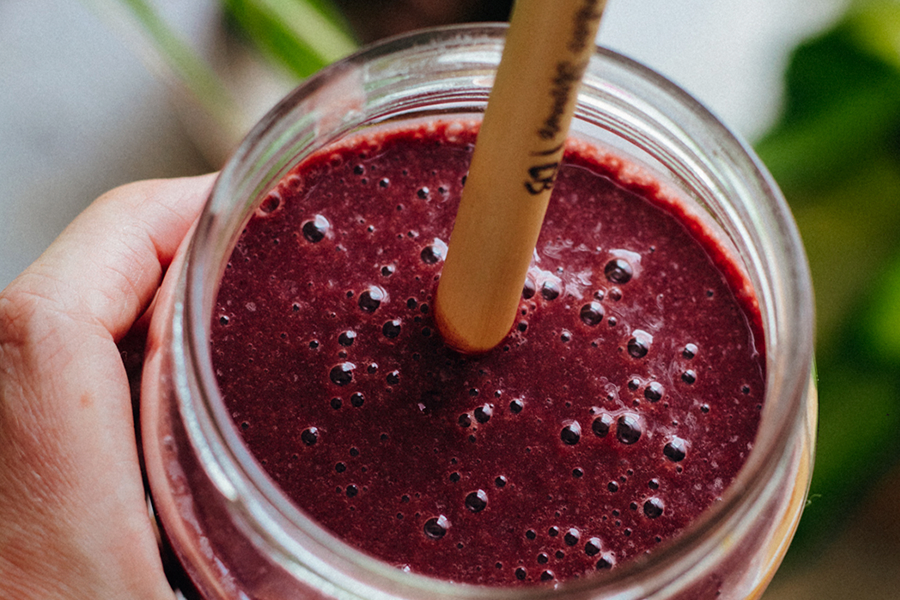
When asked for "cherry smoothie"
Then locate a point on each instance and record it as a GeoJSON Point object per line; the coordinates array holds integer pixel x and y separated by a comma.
{"type": "Point", "coordinates": [621, 405]}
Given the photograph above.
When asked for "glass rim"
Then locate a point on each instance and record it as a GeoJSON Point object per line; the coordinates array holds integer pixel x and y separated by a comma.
{"type": "Point", "coordinates": [234, 459]}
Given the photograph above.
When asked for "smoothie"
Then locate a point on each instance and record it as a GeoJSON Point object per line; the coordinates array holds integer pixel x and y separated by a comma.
{"type": "Point", "coordinates": [622, 404]}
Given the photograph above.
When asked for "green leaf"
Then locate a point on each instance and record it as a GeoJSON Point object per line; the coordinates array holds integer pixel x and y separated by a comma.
{"type": "Point", "coordinates": [875, 26]}
{"type": "Point", "coordinates": [881, 322]}
{"type": "Point", "coordinates": [850, 230]}
{"type": "Point", "coordinates": [836, 154]}
{"type": "Point", "coordinates": [857, 442]}
{"type": "Point", "coordinates": [842, 104]}
{"type": "Point", "coordinates": [301, 36]}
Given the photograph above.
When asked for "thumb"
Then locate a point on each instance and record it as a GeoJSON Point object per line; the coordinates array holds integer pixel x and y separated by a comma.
{"type": "Point", "coordinates": [106, 265]}
{"type": "Point", "coordinates": [71, 495]}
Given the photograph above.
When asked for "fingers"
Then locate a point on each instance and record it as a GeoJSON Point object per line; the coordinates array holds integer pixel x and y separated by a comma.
{"type": "Point", "coordinates": [107, 264]}
{"type": "Point", "coordinates": [72, 503]}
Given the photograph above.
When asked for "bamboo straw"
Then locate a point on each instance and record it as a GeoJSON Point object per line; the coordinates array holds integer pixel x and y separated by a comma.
{"type": "Point", "coordinates": [513, 169]}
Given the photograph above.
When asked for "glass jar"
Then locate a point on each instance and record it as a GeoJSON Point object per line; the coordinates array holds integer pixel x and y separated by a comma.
{"type": "Point", "coordinates": [234, 532]}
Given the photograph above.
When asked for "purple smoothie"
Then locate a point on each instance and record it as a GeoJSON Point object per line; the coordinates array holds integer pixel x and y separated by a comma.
{"type": "Point", "coordinates": [621, 405]}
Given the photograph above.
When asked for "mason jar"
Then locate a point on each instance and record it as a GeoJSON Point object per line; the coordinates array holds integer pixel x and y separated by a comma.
{"type": "Point", "coordinates": [236, 535]}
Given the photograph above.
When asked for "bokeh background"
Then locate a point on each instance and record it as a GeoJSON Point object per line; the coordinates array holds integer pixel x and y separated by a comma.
{"type": "Point", "coordinates": [96, 93]}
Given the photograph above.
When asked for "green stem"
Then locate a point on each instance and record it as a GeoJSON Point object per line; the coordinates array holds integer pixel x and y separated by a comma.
{"type": "Point", "coordinates": [163, 48]}
{"type": "Point", "coordinates": [329, 41]}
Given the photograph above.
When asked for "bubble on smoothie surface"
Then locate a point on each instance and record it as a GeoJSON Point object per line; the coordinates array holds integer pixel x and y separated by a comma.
{"type": "Point", "coordinates": [593, 546]}
{"type": "Point", "coordinates": [484, 413]}
{"type": "Point", "coordinates": [654, 391]}
{"type": "Point", "coordinates": [601, 425]}
{"type": "Point", "coordinates": [391, 329]}
{"type": "Point", "coordinates": [342, 374]}
{"type": "Point", "coordinates": [434, 252]}
{"type": "Point", "coordinates": [436, 527]}
{"type": "Point", "coordinates": [270, 203]}
{"type": "Point", "coordinates": [550, 290]}
{"type": "Point", "coordinates": [618, 271]}
{"type": "Point", "coordinates": [529, 288]}
{"type": "Point", "coordinates": [476, 501]}
{"type": "Point", "coordinates": [592, 314]}
{"type": "Point", "coordinates": [639, 344]}
{"type": "Point", "coordinates": [607, 561]}
{"type": "Point", "coordinates": [675, 450]}
{"type": "Point", "coordinates": [346, 337]}
{"type": "Point", "coordinates": [571, 433]}
{"type": "Point", "coordinates": [371, 299]}
{"type": "Point", "coordinates": [653, 507]}
{"type": "Point", "coordinates": [628, 429]}
{"type": "Point", "coordinates": [309, 436]}
{"type": "Point", "coordinates": [316, 229]}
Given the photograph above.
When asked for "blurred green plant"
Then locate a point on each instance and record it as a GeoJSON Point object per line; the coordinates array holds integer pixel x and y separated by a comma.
{"type": "Point", "coordinates": [297, 37]}
{"type": "Point", "coordinates": [301, 36]}
{"type": "Point", "coordinates": [835, 152]}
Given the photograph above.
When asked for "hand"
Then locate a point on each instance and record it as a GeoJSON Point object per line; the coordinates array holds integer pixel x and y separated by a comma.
{"type": "Point", "coordinates": [73, 516]}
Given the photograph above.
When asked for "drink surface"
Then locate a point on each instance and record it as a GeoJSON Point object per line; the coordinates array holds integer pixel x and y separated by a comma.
{"type": "Point", "coordinates": [621, 405]}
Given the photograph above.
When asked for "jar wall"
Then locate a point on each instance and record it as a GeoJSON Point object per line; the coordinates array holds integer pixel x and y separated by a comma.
{"type": "Point", "coordinates": [238, 536]}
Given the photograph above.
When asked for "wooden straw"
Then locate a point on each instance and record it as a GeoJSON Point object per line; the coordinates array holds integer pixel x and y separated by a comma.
{"type": "Point", "coordinates": [513, 169]}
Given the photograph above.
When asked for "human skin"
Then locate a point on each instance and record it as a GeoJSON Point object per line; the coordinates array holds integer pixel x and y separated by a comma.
{"type": "Point", "coordinates": [72, 503]}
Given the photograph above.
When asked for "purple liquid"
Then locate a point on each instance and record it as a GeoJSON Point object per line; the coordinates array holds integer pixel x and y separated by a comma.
{"type": "Point", "coordinates": [621, 405]}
